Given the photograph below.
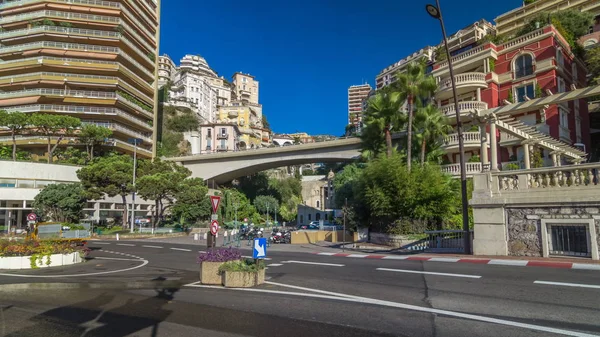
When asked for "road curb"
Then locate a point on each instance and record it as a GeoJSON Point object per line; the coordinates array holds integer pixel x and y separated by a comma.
{"type": "Point", "coordinates": [472, 260]}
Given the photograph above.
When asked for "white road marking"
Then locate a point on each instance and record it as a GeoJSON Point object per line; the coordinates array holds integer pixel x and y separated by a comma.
{"type": "Point", "coordinates": [357, 255]}
{"type": "Point", "coordinates": [585, 266]}
{"type": "Point", "coordinates": [428, 273]}
{"type": "Point", "coordinates": [328, 254]}
{"type": "Point", "coordinates": [125, 244]}
{"type": "Point", "coordinates": [151, 246]}
{"type": "Point", "coordinates": [509, 262]}
{"type": "Point", "coordinates": [201, 251]}
{"type": "Point", "coordinates": [144, 262]}
{"type": "Point", "coordinates": [250, 257]}
{"type": "Point", "coordinates": [364, 300]}
{"type": "Point", "coordinates": [576, 285]}
{"type": "Point", "coordinates": [101, 243]}
{"type": "Point", "coordinates": [315, 263]}
{"type": "Point", "coordinates": [395, 257]}
{"type": "Point", "coordinates": [443, 259]}
{"type": "Point", "coordinates": [182, 249]}
{"type": "Point", "coordinates": [115, 258]}
{"type": "Point", "coordinates": [275, 265]}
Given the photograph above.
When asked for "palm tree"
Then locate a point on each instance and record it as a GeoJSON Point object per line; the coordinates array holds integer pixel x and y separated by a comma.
{"type": "Point", "coordinates": [384, 109]}
{"type": "Point", "coordinates": [432, 125]}
{"type": "Point", "coordinates": [413, 85]}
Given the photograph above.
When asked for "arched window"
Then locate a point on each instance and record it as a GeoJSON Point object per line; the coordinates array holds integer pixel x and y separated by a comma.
{"type": "Point", "coordinates": [523, 66]}
{"type": "Point", "coordinates": [318, 216]}
{"type": "Point", "coordinates": [318, 204]}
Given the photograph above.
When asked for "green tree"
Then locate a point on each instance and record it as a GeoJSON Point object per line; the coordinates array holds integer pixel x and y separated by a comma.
{"type": "Point", "coordinates": [414, 86]}
{"type": "Point", "coordinates": [384, 109]}
{"type": "Point", "coordinates": [6, 153]}
{"type": "Point", "coordinates": [255, 185]}
{"type": "Point", "coordinates": [284, 189]}
{"type": "Point", "coordinates": [53, 126]}
{"type": "Point", "coordinates": [592, 60]}
{"type": "Point", "coordinates": [16, 122]}
{"type": "Point", "coordinates": [93, 135]}
{"type": "Point", "coordinates": [191, 201]}
{"type": "Point", "coordinates": [432, 125]}
{"type": "Point", "coordinates": [160, 181]}
{"type": "Point", "coordinates": [183, 122]}
{"type": "Point", "coordinates": [109, 176]}
{"type": "Point", "coordinates": [289, 208]}
{"type": "Point", "coordinates": [372, 138]}
{"type": "Point", "coordinates": [230, 198]}
{"type": "Point", "coordinates": [571, 24]}
{"type": "Point", "coordinates": [60, 202]}
{"type": "Point", "coordinates": [71, 155]}
{"type": "Point", "coordinates": [265, 122]}
{"type": "Point", "coordinates": [266, 203]}
{"type": "Point", "coordinates": [343, 183]}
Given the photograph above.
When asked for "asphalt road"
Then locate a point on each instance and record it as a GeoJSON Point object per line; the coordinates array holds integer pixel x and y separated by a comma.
{"type": "Point", "coordinates": [305, 295]}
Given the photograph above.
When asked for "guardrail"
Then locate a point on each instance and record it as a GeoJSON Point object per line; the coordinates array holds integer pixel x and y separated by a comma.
{"type": "Point", "coordinates": [442, 241]}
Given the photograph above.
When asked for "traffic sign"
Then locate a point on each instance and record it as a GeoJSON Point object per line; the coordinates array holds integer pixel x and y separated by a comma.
{"type": "Point", "coordinates": [245, 219]}
{"type": "Point", "coordinates": [214, 201]}
{"type": "Point", "coordinates": [214, 217]}
{"type": "Point", "coordinates": [31, 217]}
{"type": "Point", "coordinates": [214, 227]}
{"type": "Point", "coordinates": [260, 248]}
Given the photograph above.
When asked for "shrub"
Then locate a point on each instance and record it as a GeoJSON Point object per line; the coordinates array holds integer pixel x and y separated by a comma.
{"type": "Point", "coordinates": [220, 255]}
{"type": "Point", "coordinates": [245, 265]}
{"type": "Point", "coordinates": [31, 247]}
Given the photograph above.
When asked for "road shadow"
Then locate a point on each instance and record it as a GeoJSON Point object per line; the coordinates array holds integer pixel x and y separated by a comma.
{"type": "Point", "coordinates": [90, 318]}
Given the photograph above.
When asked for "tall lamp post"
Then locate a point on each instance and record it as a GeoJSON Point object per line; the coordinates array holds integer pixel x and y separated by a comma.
{"type": "Point", "coordinates": [135, 142]}
{"type": "Point", "coordinates": [436, 13]}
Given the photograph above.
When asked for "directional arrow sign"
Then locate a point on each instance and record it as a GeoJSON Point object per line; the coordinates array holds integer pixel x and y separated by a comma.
{"type": "Point", "coordinates": [260, 248]}
{"type": "Point", "coordinates": [215, 200]}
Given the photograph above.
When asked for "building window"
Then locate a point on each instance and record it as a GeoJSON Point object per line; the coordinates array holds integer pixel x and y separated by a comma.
{"type": "Point", "coordinates": [523, 66]}
{"type": "Point", "coordinates": [209, 133]}
{"type": "Point", "coordinates": [560, 58]}
{"type": "Point", "coordinates": [578, 129]}
{"type": "Point", "coordinates": [564, 118]}
{"type": "Point", "coordinates": [526, 90]}
{"type": "Point", "coordinates": [223, 131]}
{"type": "Point", "coordinates": [574, 71]}
{"type": "Point", "coordinates": [309, 217]}
{"type": "Point", "coordinates": [318, 217]}
{"type": "Point", "coordinates": [318, 204]}
{"type": "Point", "coordinates": [301, 218]}
{"type": "Point", "coordinates": [561, 84]}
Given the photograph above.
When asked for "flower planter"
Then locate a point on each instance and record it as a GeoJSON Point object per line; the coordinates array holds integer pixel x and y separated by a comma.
{"type": "Point", "coordinates": [209, 273]}
{"type": "Point", "coordinates": [242, 279]}
{"type": "Point", "coordinates": [55, 260]}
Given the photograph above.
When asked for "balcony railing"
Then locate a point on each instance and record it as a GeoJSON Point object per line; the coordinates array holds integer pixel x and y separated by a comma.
{"type": "Point", "coordinates": [59, 14]}
{"type": "Point", "coordinates": [560, 178]}
{"type": "Point", "coordinates": [462, 56]}
{"type": "Point", "coordinates": [221, 148]}
{"type": "Point", "coordinates": [222, 136]}
{"type": "Point", "coordinates": [522, 39]}
{"type": "Point", "coordinates": [44, 140]}
{"type": "Point", "coordinates": [454, 169]}
{"type": "Point", "coordinates": [507, 137]}
{"type": "Point", "coordinates": [78, 109]}
{"type": "Point", "coordinates": [464, 107]}
{"type": "Point", "coordinates": [470, 139]}
{"type": "Point", "coordinates": [476, 79]}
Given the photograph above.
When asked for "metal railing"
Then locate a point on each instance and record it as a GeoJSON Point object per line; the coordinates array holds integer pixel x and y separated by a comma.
{"type": "Point", "coordinates": [446, 241]}
{"type": "Point", "coordinates": [60, 45]}
{"type": "Point", "coordinates": [59, 14]}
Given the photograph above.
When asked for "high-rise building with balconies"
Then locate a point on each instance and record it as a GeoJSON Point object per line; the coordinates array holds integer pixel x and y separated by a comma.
{"type": "Point", "coordinates": [489, 75]}
{"type": "Point", "coordinates": [166, 70]}
{"type": "Point", "coordinates": [95, 60]}
{"type": "Point", "coordinates": [246, 88]}
{"type": "Point", "coordinates": [357, 94]}
{"type": "Point", "coordinates": [509, 23]}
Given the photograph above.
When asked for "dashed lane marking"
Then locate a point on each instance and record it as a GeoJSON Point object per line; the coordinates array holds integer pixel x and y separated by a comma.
{"type": "Point", "coordinates": [275, 265]}
{"type": "Point", "coordinates": [101, 243]}
{"type": "Point", "coordinates": [576, 285]}
{"type": "Point", "coordinates": [182, 249]}
{"type": "Point", "coordinates": [125, 244]}
{"type": "Point", "coordinates": [315, 263]}
{"type": "Point", "coordinates": [157, 247]}
{"type": "Point", "coordinates": [428, 273]}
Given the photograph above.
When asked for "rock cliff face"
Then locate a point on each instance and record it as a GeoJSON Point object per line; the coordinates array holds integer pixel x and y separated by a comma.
{"type": "Point", "coordinates": [525, 226]}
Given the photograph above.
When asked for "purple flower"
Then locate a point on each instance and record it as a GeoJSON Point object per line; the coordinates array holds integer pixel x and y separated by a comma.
{"type": "Point", "coordinates": [220, 255]}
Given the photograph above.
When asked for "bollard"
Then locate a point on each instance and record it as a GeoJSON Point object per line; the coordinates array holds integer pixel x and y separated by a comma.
{"type": "Point", "coordinates": [117, 236]}
{"type": "Point", "coordinates": [195, 236]}
{"type": "Point", "coordinates": [205, 236]}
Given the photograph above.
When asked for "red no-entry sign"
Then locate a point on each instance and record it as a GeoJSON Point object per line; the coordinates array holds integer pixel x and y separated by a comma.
{"type": "Point", "coordinates": [214, 227]}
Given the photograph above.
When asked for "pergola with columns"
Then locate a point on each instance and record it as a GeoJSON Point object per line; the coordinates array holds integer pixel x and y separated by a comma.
{"type": "Point", "coordinates": [501, 118]}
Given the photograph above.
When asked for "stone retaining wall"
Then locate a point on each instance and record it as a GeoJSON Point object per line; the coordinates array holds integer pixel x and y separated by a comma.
{"type": "Point", "coordinates": [524, 226]}
{"type": "Point", "coordinates": [396, 241]}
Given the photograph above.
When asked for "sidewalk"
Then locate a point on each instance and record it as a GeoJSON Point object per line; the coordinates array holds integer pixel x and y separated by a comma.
{"type": "Point", "coordinates": [378, 252]}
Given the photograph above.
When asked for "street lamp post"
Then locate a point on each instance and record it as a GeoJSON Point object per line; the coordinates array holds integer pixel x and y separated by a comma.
{"type": "Point", "coordinates": [135, 142]}
{"type": "Point", "coordinates": [436, 13]}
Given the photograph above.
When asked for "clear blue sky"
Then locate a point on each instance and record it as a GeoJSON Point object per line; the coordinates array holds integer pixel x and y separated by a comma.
{"type": "Point", "coordinates": [307, 53]}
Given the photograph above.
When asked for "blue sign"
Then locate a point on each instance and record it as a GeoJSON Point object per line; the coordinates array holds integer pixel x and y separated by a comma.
{"type": "Point", "coordinates": [260, 248]}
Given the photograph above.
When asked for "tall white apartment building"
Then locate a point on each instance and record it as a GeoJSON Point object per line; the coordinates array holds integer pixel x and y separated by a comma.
{"type": "Point", "coordinates": [357, 94]}
{"type": "Point", "coordinates": [166, 70]}
{"type": "Point", "coordinates": [195, 89]}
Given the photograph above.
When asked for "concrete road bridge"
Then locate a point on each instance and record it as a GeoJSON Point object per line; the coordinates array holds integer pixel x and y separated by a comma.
{"type": "Point", "coordinates": [226, 166]}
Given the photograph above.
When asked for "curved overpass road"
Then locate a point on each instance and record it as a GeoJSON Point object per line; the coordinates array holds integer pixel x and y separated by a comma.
{"type": "Point", "coordinates": [307, 295]}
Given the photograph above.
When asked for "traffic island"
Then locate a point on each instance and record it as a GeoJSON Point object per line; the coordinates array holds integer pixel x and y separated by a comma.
{"type": "Point", "coordinates": [31, 254]}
